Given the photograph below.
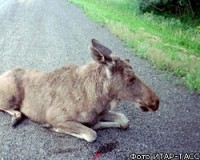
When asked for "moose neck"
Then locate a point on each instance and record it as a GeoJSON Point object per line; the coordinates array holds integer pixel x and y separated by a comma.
{"type": "Point", "coordinates": [95, 78]}
{"type": "Point", "coordinates": [89, 82]}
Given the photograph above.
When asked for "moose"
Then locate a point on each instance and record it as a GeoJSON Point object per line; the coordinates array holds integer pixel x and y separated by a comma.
{"type": "Point", "coordinates": [76, 100]}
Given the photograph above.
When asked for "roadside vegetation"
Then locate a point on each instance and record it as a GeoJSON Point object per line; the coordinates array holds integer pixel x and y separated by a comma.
{"type": "Point", "coordinates": [169, 42]}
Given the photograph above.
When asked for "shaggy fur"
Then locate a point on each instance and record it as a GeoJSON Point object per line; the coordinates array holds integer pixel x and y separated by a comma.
{"type": "Point", "coordinates": [73, 99]}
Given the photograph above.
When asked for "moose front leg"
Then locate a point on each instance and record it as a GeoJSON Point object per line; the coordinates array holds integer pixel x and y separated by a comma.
{"type": "Point", "coordinates": [75, 129]}
{"type": "Point", "coordinates": [112, 120]}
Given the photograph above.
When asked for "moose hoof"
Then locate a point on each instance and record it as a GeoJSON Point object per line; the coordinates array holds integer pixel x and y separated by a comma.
{"type": "Point", "coordinates": [123, 121]}
{"type": "Point", "coordinates": [125, 126]}
{"type": "Point", "coordinates": [90, 137]}
{"type": "Point", "coordinates": [14, 122]}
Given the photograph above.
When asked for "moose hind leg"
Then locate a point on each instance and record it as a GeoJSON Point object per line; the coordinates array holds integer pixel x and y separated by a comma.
{"type": "Point", "coordinates": [75, 129]}
{"type": "Point", "coordinates": [16, 116]}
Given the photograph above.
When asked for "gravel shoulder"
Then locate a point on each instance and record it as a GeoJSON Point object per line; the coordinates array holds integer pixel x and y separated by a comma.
{"type": "Point", "coordinates": [46, 34]}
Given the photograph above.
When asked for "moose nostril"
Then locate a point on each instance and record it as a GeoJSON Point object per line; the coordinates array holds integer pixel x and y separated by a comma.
{"type": "Point", "coordinates": [154, 108]}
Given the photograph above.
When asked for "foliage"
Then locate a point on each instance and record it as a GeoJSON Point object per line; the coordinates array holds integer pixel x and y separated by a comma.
{"type": "Point", "coordinates": [175, 7]}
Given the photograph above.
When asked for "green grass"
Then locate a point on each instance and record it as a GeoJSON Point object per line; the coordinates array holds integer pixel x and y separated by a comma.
{"type": "Point", "coordinates": [168, 43]}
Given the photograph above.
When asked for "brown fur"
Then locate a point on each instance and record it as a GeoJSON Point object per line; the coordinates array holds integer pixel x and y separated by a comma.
{"type": "Point", "coordinates": [71, 97]}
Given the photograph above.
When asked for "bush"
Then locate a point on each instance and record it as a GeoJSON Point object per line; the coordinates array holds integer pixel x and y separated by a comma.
{"type": "Point", "coordinates": [175, 7]}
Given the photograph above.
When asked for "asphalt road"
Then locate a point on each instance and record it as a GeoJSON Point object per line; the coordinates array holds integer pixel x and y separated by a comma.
{"type": "Point", "coordinates": [46, 34]}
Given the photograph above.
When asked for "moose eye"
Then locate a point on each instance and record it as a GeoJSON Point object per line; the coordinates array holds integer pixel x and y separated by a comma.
{"type": "Point", "coordinates": [129, 76]}
{"type": "Point", "coordinates": [132, 79]}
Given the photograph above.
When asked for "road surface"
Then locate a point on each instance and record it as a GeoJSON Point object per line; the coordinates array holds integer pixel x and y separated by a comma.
{"type": "Point", "coordinates": [46, 34]}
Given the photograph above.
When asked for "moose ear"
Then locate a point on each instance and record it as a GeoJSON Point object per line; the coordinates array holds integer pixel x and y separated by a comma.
{"type": "Point", "coordinates": [97, 56]}
{"type": "Point", "coordinates": [100, 53]}
{"type": "Point", "coordinates": [101, 48]}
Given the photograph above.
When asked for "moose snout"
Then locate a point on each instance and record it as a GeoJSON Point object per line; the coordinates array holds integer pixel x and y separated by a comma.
{"type": "Point", "coordinates": [152, 105]}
